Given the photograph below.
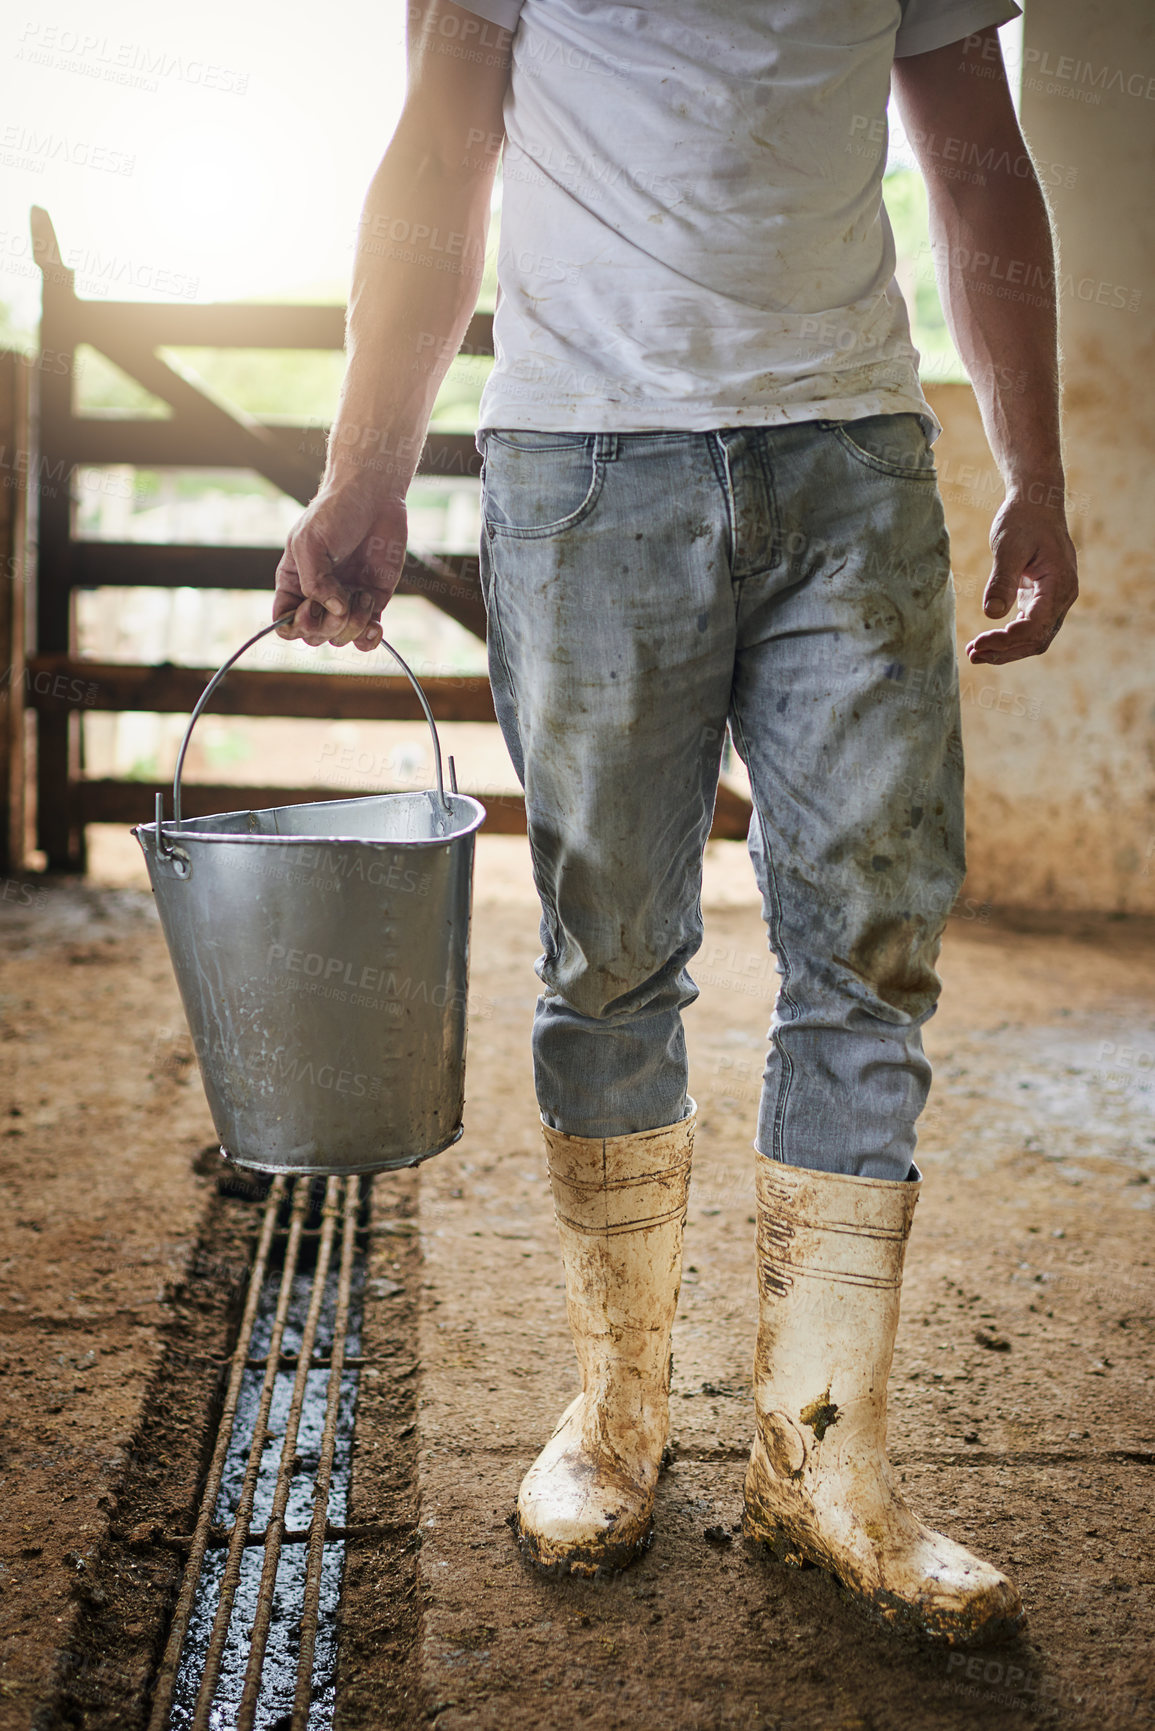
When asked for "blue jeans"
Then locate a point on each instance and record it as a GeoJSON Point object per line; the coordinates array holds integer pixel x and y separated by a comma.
{"type": "Point", "coordinates": [645, 588]}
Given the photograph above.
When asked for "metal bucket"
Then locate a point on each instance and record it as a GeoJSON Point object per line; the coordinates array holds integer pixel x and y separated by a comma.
{"type": "Point", "coordinates": [322, 955]}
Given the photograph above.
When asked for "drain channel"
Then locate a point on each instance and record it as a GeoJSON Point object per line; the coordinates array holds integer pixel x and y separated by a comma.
{"type": "Point", "coordinates": [267, 1551]}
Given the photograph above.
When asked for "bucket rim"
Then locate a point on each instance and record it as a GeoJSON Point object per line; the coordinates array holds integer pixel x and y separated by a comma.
{"type": "Point", "coordinates": [185, 834]}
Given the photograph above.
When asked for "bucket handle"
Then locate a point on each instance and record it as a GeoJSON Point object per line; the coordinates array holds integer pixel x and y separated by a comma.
{"type": "Point", "coordinates": [162, 846]}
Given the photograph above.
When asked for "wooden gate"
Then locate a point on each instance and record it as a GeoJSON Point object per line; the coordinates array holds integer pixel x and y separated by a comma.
{"type": "Point", "coordinates": [204, 432]}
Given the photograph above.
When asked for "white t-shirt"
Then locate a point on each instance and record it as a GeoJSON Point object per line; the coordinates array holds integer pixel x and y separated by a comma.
{"type": "Point", "coordinates": [692, 227]}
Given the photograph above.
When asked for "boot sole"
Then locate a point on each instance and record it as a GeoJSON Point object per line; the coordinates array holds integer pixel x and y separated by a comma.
{"type": "Point", "coordinates": [588, 1562]}
{"type": "Point", "coordinates": [880, 1606]}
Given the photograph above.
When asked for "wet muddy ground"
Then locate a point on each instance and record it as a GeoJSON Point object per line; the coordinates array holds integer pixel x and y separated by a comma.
{"type": "Point", "coordinates": [1022, 1406]}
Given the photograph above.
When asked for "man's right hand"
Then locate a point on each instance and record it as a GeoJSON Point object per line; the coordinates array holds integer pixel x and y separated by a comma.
{"type": "Point", "coordinates": [342, 561]}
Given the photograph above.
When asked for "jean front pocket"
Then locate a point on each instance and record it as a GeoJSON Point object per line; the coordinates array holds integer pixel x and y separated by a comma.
{"type": "Point", "coordinates": [539, 484]}
{"type": "Point", "coordinates": [895, 445]}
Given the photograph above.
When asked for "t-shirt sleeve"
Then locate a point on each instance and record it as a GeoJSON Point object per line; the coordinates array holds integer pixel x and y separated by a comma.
{"type": "Point", "coordinates": [929, 24]}
{"type": "Point", "coordinates": [503, 13]}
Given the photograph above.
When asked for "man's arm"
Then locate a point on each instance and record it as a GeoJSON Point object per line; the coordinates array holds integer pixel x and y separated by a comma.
{"type": "Point", "coordinates": [987, 236]}
{"type": "Point", "coordinates": [420, 253]}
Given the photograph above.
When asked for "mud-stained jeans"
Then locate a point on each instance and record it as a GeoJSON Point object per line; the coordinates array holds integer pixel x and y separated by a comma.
{"type": "Point", "coordinates": [644, 589]}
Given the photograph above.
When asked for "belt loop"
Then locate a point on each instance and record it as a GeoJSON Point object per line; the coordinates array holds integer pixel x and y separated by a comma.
{"type": "Point", "coordinates": [606, 447]}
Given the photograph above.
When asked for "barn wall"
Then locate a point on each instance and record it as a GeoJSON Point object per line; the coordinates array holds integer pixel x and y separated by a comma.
{"type": "Point", "coordinates": [1061, 750]}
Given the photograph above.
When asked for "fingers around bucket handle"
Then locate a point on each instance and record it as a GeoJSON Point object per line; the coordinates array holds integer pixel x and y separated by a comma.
{"type": "Point", "coordinates": [214, 682]}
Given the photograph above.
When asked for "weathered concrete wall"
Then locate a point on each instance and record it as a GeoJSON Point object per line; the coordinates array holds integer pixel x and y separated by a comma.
{"type": "Point", "coordinates": [1061, 750]}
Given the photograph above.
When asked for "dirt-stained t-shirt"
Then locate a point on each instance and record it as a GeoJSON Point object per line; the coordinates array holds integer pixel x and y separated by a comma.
{"type": "Point", "coordinates": [692, 226]}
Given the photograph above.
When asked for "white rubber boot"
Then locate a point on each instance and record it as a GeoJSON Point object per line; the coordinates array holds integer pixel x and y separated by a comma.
{"type": "Point", "coordinates": [818, 1486]}
{"type": "Point", "coordinates": [587, 1501]}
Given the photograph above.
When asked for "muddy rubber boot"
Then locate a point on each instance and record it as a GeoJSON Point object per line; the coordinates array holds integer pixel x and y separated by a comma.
{"type": "Point", "coordinates": [587, 1502]}
{"type": "Point", "coordinates": [818, 1486]}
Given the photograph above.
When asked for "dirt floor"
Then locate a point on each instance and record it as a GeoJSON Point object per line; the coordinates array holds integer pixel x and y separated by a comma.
{"type": "Point", "coordinates": [1022, 1407]}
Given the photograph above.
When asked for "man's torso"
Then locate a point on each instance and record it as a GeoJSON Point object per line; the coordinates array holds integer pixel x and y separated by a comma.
{"type": "Point", "coordinates": [692, 228]}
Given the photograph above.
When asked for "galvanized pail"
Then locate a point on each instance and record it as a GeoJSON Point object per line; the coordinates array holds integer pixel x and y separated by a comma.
{"type": "Point", "coordinates": [322, 955]}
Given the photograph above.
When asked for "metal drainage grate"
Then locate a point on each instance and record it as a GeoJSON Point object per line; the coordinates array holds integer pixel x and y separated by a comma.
{"type": "Point", "coordinates": [254, 1627]}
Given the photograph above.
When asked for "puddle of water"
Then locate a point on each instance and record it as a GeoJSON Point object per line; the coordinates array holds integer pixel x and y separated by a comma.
{"type": "Point", "coordinates": [1076, 1085]}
